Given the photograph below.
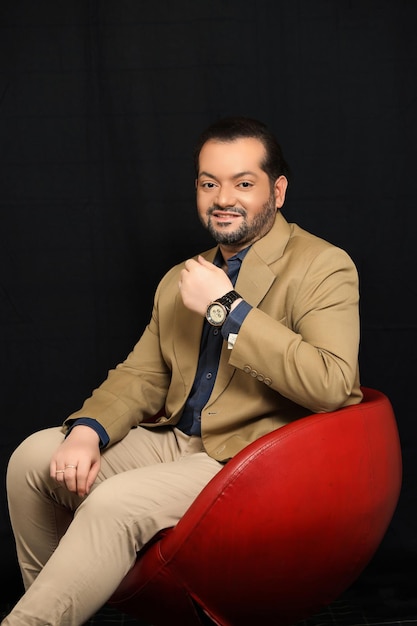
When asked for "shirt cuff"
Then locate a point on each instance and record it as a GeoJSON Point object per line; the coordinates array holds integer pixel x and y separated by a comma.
{"type": "Point", "coordinates": [235, 319]}
{"type": "Point", "coordinates": [95, 425]}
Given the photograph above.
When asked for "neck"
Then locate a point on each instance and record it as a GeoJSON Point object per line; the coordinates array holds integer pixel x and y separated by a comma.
{"type": "Point", "coordinates": [229, 251]}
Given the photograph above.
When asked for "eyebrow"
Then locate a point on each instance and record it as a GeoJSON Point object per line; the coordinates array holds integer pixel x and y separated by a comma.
{"type": "Point", "coordinates": [234, 177]}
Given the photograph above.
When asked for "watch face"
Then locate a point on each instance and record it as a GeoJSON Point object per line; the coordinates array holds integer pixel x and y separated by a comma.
{"type": "Point", "coordinates": [216, 314]}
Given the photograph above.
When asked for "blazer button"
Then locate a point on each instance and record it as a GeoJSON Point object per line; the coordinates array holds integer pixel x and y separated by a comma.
{"type": "Point", "coordinates": [267, 381]}
{"type": "Point", "coordinates": [254, 373]}
{"type": "Point", "coordinates": [260, 378]}
{"type": "Point", "coordinates": [247, 369]}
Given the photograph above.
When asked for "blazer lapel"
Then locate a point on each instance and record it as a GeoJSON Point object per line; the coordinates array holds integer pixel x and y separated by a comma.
{"type": "Point", "coordinates": [256, 275]}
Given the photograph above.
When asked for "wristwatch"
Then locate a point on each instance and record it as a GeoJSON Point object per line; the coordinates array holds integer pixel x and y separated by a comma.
{"type": "Point", "coordinates": [218, 310]}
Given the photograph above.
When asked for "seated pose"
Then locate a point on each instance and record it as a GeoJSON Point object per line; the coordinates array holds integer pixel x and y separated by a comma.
{"type": "Point", "coordinates": [258, 331]}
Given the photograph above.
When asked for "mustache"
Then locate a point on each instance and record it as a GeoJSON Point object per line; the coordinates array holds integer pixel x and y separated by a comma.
{"type": "Point", "coordinates": [232, 209]}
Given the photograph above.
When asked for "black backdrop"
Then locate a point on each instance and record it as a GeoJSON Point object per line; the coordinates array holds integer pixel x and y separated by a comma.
{"type": "Point", "coordinates": [100, 103]}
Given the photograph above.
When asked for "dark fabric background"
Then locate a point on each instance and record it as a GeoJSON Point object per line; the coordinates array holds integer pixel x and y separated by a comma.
{"type": "Point", "coordinates": [100, 104]}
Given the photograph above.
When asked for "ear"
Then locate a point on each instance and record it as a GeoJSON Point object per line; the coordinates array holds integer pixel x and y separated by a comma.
{"type": "Point", "coordinates": [280, 189]}
{"type": "Point", "coordinates": [196, 183]}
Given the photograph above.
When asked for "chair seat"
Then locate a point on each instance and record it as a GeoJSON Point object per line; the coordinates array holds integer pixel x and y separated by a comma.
{"type": "Point", "coordinates": [282, 530]}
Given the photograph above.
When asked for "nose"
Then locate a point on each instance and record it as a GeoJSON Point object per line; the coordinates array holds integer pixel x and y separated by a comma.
{"type": "Point", "coordinates": [226, 196]}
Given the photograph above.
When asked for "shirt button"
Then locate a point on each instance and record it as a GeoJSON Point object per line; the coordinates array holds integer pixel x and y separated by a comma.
{"type": "Point", "coordinates": [216, 331]}
{"type": "Point", "coordinates": [209, 375]}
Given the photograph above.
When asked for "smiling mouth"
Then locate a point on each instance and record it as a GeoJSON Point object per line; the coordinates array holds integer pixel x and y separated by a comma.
{"type": "Point", "coordinates": [223, 216]}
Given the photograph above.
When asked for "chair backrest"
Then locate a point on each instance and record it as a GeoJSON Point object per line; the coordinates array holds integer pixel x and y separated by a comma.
{"type": "Point", "coordinates": [282, 530]}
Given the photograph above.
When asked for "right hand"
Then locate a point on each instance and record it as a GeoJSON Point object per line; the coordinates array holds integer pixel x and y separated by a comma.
{"type": "Point", "coordinates": [79, 455]}
{"type": "Point", "coordinates": [201, 282]}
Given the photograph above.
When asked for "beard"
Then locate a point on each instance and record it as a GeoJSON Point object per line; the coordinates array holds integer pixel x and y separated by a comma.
{"type": "Point", "coordinates": [247, 231]}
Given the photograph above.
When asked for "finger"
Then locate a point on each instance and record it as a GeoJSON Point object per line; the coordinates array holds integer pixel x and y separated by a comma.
{"type": "Point", "coordinates": [70, 476]}
{"type": "Point", "coordinates": [57, 471]}
{"type": "Point", "coordinates": [59, 476]}
{"type": "Point", "coordinates": [92, 475]}
{"type": "Point", "coordinates": [52, 468]}
{"type": "Point", "coordinates": [204, 261]}
{"type": "Point", "coordinates": [208, 265]}
{"type": "Point", "coordinates": [189, 264]}
{"type": "Point", "coordinates": [83, 481]}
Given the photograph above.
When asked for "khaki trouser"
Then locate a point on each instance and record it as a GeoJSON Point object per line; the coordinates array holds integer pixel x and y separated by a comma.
{"type": "Point", "coordinates": [74, 552]}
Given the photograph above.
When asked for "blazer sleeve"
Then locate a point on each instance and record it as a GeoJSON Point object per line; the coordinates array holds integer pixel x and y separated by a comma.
{"type": "Point", "coordinates": [304, 339]}
{"type": "Point", "coordinates": [134, 391]}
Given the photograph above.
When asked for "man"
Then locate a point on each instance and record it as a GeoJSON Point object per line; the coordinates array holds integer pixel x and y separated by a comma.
{"type": "Point", "coordinates": [259, 331]}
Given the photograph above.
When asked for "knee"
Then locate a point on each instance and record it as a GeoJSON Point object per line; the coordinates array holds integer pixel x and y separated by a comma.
{"type": "Point", "coordinates": [109, 500]}
{"type": "Point", "coordinates": [33, 454]}
{"type": "Point", "coordinates": [103, 500]}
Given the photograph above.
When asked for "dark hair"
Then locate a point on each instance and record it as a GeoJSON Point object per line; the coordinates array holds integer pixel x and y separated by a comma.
{"type": "Point", "coordinates": [231, 128]}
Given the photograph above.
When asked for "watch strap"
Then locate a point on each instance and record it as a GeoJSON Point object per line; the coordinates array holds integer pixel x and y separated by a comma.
{"type": "Point", "coordinates": [228, 299]}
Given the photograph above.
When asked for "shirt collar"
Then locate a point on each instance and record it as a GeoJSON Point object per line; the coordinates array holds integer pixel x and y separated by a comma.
{"type": "Point", "coordinates": [219, 261]}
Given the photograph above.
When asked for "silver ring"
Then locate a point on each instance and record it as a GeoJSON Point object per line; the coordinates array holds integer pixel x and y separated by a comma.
{"type": "Point", "coordinates": [59, 471]}
{"type": "Point", "coordinates": [72, 466]}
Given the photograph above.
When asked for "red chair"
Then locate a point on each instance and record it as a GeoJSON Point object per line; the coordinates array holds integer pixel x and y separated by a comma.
{"type": "Point", "coordinates": [281, 531]}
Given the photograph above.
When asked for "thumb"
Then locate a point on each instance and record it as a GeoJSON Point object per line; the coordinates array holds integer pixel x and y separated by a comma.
{"type": "Point", "coordinates": [203, 261]}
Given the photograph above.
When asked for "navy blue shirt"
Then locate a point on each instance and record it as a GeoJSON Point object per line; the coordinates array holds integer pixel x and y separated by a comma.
{"type": "Point", "coordinates": [211, 344]}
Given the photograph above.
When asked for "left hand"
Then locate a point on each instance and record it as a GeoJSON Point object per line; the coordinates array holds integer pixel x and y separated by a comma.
{"type": "Point", "coordinates": [76, 462]}
{"type": "Point", "coordinates": [201, 282]}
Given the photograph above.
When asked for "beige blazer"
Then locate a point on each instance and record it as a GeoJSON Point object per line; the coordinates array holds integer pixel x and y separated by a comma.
{"type": "Point", "coordinates": [296, 352]}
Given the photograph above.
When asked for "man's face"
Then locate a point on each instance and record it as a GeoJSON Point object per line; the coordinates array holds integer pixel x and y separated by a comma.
{"type": "Point", "coordinates": [235, 199]}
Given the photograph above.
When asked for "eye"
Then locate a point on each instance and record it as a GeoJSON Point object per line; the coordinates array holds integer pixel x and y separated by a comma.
{"type": "Point", "coordinates": [208, 185]}
{"type": "Point", "coordinates": [245, 184]}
